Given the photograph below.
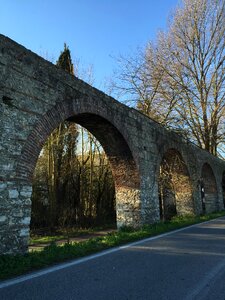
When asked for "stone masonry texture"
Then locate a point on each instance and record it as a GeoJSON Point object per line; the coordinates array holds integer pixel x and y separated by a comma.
{"type": "Point", "coordinates": [35, 96]}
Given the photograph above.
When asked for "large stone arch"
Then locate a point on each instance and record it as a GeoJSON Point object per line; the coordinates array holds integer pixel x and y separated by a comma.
{"type": "Point", "coordinates": [209, 191]}
{"type": "Point", "coordinates": [125, 172]}
{"type": "Point", "coordinates": [175, 187]}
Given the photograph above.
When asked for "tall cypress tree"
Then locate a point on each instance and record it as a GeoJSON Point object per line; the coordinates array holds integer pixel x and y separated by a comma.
{"type": "Point", "coordinates": [65, 61]}
{"type": "Point", "coordinates": [67, 133]}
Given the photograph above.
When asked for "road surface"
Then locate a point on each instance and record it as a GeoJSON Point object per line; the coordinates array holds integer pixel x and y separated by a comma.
{"type": "Point", "coordinates": [185, 264]}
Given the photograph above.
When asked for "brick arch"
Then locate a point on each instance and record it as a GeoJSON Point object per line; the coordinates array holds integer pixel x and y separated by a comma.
{"type": "Point", "coordinates": [111, 136]}
{"type": "Point", "coordinates": [209, 192]}
{"type": "Point", "coordinates": [175, 188]}
{"type": "Point", "coordinates": [188, 155]}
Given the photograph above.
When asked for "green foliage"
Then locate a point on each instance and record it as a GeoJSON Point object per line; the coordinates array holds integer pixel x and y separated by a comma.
{"type": "Point", "coordinates": [72, 187]}
{"type": "Point", "coordinates": [65, 61]}
{"type": "Point", "coordinates": [72, 183]}
{"type": "Point", "coordinates": [14, 265]}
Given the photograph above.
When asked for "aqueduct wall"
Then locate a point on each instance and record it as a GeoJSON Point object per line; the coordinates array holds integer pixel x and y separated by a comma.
{"type": "Point", "coordinates": [35, 96]}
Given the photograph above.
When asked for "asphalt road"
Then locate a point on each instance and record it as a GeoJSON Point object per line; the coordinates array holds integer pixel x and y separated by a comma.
{"type": "Point", "coordinates": [186, 264]}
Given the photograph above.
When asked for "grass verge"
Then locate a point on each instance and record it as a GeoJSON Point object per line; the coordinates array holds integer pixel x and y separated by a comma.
{"type": "Point", "coordinates": [44, 237]}
{"type": "Point", "coordinates": [13, 265]}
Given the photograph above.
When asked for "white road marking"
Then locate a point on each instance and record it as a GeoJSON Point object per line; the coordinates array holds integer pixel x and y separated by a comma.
{"type": "Point", "coordinates": [61, 266]}
{"type": "Point", "coordinates": [200, 292]}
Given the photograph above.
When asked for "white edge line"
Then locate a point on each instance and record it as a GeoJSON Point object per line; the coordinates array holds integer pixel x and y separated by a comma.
{"type": "Point", "coordinates": [91, 257]}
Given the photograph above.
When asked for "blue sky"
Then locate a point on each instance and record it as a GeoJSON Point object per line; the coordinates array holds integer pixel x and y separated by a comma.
{"type": "Point", "coordinates": [95, 30]}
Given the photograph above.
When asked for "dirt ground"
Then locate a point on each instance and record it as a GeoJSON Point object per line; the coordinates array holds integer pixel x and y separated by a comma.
{"type": "Point", "coordinates": [81, 238]}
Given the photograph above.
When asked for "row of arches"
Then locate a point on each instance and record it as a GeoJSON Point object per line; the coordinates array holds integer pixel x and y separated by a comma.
{"type": "Point", "coordinates": [175, 185]}
{"type": "Point", "coordinates": [176, 188]}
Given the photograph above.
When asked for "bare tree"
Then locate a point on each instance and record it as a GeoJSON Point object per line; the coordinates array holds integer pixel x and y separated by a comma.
{"type": "Point", "coordinates": [137, 82]}
{"type": "Point", "coordinates": [182, 75]}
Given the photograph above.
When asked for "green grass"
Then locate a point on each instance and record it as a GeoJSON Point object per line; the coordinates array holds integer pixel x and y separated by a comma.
{"type": "Point", "coordinates": [13, 265]}
{"type": "Point", "coordinates": [38, 239]}
{"type": "Point", "coordinates": [34, 240]}
{"type": "Point", "coordinates": [43, 237]}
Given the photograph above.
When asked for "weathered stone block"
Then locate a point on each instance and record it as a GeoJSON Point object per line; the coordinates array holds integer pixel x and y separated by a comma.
{"type": "Point", "coordinates": [13, 194]}
{"type": "Point", "coordinates": [3, 186]}
{"type": "Point", "coordinates": [25, 221]}
{"type": "Point", "coordinates": [3, 219]}
{"type": "Point", "coordinates": [24, 232]}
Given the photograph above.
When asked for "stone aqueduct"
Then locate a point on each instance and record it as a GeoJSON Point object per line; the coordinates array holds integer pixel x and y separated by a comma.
{"type": "Point", "coordinates": [35, 96]}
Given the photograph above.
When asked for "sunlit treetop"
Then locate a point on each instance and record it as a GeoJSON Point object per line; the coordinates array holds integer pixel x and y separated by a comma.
{"type": "Point", "coordinates": [65, 61]}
